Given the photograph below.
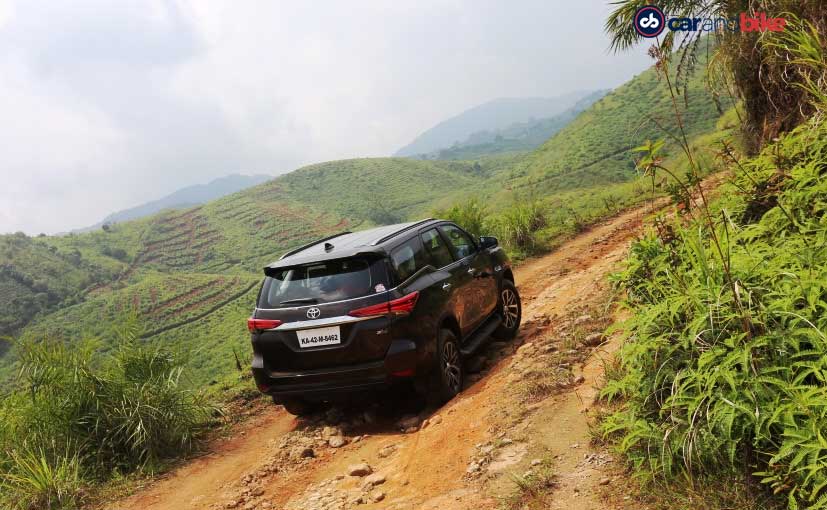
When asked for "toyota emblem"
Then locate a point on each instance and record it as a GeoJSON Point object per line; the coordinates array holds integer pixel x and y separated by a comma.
{"type": "Point", "coordinates": [313, 313]}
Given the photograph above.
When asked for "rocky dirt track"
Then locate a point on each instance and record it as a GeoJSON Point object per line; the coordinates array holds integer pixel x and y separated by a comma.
{"type": "Point", "coordinates": [517, 437]}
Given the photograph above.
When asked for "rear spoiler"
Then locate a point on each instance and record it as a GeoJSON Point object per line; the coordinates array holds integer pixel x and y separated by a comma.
{"type": "Point", "coordinates": [272, 271]}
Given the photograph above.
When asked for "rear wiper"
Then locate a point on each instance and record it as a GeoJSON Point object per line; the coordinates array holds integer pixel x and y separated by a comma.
{"type": "Point", "coordinates": [309, 300]}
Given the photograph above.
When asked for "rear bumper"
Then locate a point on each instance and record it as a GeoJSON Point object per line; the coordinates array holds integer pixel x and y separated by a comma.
{"type": "Point", "coordinates": [329, 383]}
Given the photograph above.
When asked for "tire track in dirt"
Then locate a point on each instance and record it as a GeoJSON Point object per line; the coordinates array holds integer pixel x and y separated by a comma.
{"type": "Point", "coordinates": [429, 468]}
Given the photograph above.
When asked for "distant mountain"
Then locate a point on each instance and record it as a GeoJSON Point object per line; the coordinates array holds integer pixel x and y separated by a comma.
{"type": "Point", "coordinates": [183, 198]}
{"type": "Point", "coordinates": [495, 114]}
{"type": "Point", "coordinates": [517, 137]}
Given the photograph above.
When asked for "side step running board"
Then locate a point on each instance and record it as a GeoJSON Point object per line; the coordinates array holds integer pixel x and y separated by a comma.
{"type": "Point", "coordinates": [479, 336]}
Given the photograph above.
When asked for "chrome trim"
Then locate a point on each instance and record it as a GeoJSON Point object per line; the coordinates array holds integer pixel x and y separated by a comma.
{"type": "Point", "coordinates": [321, 323]}
{"type": "Point", "coordinates": [325, 303]}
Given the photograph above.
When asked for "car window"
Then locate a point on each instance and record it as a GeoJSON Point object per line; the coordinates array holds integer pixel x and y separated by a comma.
{"type": "Point", "coordinates": [436, 249]}
{"type": "Point", "coordinates": [407, 259]}
{"type": "Point", "coordinates": [460, 242]}
{"type": "Point", "coordinates": [321, 282]}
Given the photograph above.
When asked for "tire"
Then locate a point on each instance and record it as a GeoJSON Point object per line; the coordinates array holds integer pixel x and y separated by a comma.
{"type": "Point", "coordinates": [510, 309]}
{"type": "Point", "coordinates": [298, 407]}
{"type": "Point", "coordinates": [449, 374]}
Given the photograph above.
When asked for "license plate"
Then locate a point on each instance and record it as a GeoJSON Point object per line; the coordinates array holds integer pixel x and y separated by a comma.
{"type": "Point", "coordinates": [318, 337]}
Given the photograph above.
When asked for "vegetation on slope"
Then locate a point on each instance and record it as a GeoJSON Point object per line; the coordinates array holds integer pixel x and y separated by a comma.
{"type": "Point", "coordinates": [722, 378]}
{"type": "Point", "coordinates": [716, 379]}
{"type": "Point", "coordinates": [36, 278]}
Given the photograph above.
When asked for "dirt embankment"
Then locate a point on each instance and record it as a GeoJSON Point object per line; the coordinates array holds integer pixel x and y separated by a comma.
{"type": "Point", "coordinates": [518, 436]}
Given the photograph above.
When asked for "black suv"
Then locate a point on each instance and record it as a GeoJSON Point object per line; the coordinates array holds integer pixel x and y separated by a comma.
{"type": "Point", "coordinates": [362, 310]}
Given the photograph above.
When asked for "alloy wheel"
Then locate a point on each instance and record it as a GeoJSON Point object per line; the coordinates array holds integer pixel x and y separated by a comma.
{"type": "Point", "coordinates": [511, 308]}
{"type": "Point", "coordinates": [451, 365]}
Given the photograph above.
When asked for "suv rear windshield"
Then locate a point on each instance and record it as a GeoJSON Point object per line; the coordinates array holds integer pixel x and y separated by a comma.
{"type": "Point", "coordinates": [321, 282]}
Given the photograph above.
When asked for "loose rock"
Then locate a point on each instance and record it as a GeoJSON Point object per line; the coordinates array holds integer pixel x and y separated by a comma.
{"type": "Point", "coordinates": [387, 451]}
{"type": "Point", "coordinates": [375, 479]}
{"type": "Point", "coordinates": [582, 320]}
{"type": "Point", "coordinates": [361, 469]}
{"type": "Point", "coordinates": [594, 339]}
{"type": "Point", "coordinates": [336, 441]}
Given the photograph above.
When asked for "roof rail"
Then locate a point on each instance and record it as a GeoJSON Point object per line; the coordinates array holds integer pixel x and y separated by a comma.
{"type": "Point", "coordinates": [314, 243]}
{"type": "Point", "coordinates": [396, 233]}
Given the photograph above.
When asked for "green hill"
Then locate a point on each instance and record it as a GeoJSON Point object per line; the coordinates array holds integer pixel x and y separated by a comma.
{"type": "Point", "coordinates": [517, 137]}
{"type": "Point", "coordinates": [596, 146]}
{"type": "Point", "coordinates": [492, 115]}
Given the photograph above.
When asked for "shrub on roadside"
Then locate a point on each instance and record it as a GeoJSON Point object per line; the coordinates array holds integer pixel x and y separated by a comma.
{"type": "Point", "coordinates": [470, 215]}
{"type": "Point", "coordinates": [724, 370]}
{"type": "Point", "coordinates": [518, 226]}
{"type": "Point", "coordinates": [75, 415]}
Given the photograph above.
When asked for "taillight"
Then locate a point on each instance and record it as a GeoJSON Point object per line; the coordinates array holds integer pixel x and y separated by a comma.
{"type": "Point", "coordinates": [262, 324]}
{"type": "Point", "coordinates": [402, 306]}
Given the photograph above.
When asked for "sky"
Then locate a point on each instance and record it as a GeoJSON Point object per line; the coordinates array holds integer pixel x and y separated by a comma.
{"type": "Point", "coordinates": [105, 105]}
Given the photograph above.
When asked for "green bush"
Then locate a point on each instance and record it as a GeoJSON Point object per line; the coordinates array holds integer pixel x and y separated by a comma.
{"type": "Point", "coordinates": [518, 226]}
{"type": "Point", "coordinates": [75, 413]}
{"type": "Point", "coordinates": [725, 366]}
{"type": "Point", "coordinates": [470, 215]}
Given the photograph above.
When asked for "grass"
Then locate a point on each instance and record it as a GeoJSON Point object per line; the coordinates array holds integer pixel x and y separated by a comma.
{"type": "Point", "coordinates": [36, 481]}
{"type": "Point", "coordinates": [532, 490]}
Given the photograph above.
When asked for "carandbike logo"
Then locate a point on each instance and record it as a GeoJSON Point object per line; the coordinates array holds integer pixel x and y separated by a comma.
{"type": "Point", "coordinates": [649, 21]}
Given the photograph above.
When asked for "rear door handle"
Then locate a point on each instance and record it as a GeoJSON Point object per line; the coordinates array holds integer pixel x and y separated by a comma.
{"type": "Point", "coordinates": [446, 286]}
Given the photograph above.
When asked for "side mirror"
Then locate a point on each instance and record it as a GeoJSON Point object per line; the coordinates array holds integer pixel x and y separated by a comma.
{"type": "Point", "coordinates": [488, 242]}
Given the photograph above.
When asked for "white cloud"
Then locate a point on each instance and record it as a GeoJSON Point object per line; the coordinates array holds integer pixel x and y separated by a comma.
{"type": "Point", "coordinates": [5, 11]}
{"type": "Point", "coordinates": [109, 104]}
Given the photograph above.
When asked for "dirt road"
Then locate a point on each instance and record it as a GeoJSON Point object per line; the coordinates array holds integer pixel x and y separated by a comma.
{"type": "Point", "coordinates": [518, 436]}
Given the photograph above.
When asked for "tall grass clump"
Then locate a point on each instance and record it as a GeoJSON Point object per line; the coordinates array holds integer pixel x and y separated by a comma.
{"type": "Point", "coordinates": [76, 417]}
{"type": "Point", "coordinates": [470, 215]}
{"type": "Point", "coordinates": [517, 226]}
